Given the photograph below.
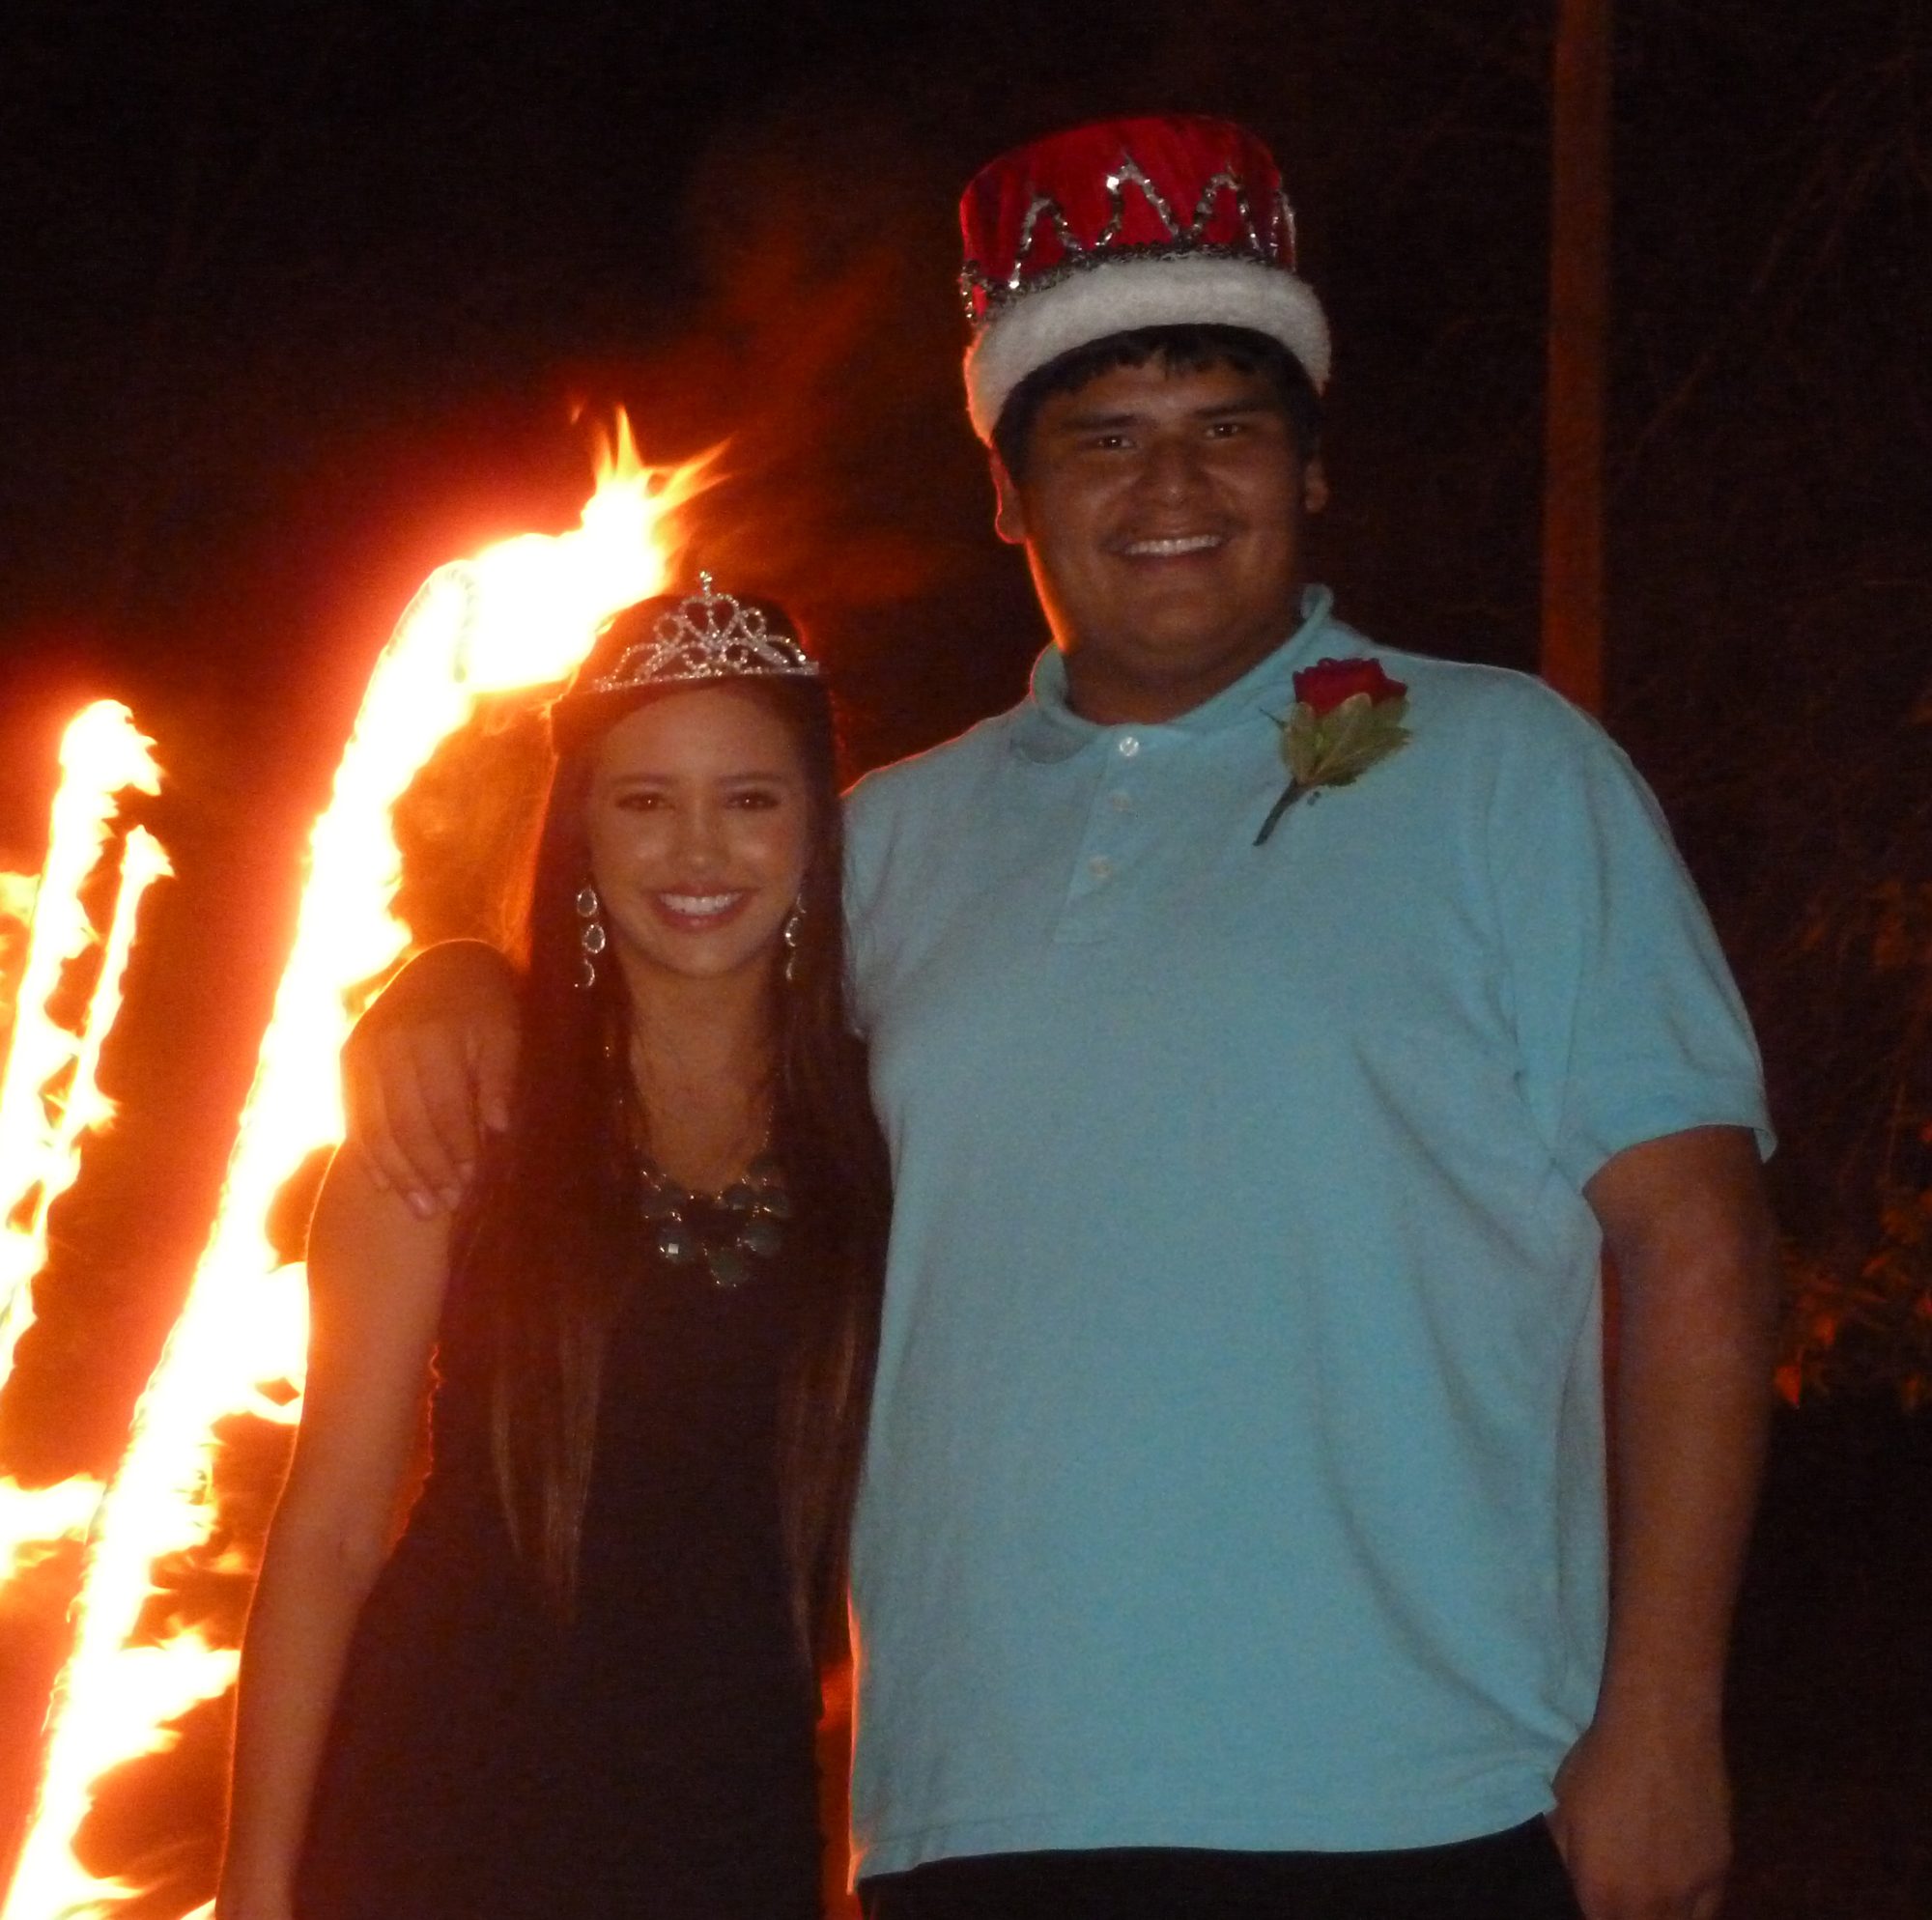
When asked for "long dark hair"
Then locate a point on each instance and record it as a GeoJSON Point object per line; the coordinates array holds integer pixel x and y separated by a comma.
{"type": "Point", "coordinates": [553, 1232]}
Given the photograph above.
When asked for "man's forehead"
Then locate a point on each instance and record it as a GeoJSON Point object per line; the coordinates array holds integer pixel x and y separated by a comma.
{"type": "Point", "coordinates": [1156, 386]}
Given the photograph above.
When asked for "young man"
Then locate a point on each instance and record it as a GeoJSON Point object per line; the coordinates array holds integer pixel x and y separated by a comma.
{"type": "Point", "coordinates": [1233, 1538]}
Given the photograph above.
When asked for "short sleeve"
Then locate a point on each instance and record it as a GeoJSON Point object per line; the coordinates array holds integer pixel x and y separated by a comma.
{"type": "Point", "coordinates": [866, 832]}
{"type": "Point", "coordinates": [1629, 1023]}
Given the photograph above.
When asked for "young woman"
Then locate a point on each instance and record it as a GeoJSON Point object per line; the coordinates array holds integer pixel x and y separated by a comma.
{"type": "Point", "coordinates": [583, 1681]}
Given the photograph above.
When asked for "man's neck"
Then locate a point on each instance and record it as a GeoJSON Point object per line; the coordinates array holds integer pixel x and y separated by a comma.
{"type": "Point", "coordinates": [1109, 695]}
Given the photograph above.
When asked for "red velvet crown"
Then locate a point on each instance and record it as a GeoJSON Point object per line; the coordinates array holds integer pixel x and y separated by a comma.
{"type": "Point", "coordinates": [1172, 184]}
{"type": "Point", "coordinates": [1126, 223]}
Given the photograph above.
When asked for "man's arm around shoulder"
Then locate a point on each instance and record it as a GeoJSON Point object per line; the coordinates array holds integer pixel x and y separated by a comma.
{"type": "Point", "coordinates": [428, 1070]}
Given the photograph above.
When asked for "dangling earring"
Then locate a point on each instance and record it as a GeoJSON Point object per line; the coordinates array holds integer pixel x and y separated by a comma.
{"type": "Point", "coordinates": [590, 940]}
{"type": "Point", "coordinates": [788, 936]}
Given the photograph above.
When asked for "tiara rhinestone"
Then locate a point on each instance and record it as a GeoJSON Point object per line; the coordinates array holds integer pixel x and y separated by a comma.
{"type": "Point", "coordinates": [709, 636]}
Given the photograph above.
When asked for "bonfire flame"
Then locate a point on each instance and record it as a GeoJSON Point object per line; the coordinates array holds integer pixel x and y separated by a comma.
{"type": "Point", "coordinates": [17, 923]}
{"type": "Point", "coordinates": [50, 1096]}
{"type": "Point", "coordinates": [521, 613]}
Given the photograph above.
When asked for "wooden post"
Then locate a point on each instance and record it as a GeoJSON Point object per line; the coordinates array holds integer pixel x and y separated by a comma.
{"type": "Point", "coordinates": [1580, 287]}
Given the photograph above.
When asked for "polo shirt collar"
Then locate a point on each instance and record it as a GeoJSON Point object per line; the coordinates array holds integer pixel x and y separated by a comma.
{"type": "Point", "coordinates": [1047, 728]}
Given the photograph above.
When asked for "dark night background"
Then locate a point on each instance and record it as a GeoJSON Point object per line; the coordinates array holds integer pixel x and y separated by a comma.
{"type": "Point", "coordinates": [299, 301]}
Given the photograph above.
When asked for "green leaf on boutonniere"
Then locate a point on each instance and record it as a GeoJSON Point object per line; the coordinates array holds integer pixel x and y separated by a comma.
{"type": "Point", "coordinates": [1334, 749]}
{"type": "Point", "coordinates": [1347, 716]}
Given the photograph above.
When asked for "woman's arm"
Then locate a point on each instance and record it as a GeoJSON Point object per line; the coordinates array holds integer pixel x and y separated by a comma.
{"type": "Point", "coordinates": [375, 1275]}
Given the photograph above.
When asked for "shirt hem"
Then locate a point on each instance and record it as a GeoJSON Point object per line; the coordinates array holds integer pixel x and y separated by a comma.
{"type": "Point", "coordinates": [1366, 1829]}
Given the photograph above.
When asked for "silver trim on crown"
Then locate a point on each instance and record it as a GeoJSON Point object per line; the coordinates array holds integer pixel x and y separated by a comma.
{"type": "Point", "coordinates": [1271, 241]}
{"type": "Point", "coordinates": [708, 636]}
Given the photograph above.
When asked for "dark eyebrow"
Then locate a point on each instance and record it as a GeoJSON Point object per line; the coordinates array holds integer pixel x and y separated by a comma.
{"type": "Point", "coordinates": [1088, 423]}
{"type": "Point", "coordinates": [1226, 410]}
{"type": "Point", "coordinates": [1231, 410]}
{"type": "Point", "coordinates": [651, 778]}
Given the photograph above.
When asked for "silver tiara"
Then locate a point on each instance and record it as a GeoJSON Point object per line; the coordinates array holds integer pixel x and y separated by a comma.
{"type": "Point", "coordinates": [709, 636]}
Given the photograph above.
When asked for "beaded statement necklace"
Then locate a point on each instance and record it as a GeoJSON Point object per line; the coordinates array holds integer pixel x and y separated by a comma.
{"type": "Point", "coordinates": [726, 1231]}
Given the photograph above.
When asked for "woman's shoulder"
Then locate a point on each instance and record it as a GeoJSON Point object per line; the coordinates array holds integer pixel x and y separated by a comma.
{"type": "Point", "coordinates": [366, 1248]}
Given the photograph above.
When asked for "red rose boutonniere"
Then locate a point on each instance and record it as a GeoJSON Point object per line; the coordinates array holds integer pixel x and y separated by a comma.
{"type": "Point", "coordinates": [1348, 715]}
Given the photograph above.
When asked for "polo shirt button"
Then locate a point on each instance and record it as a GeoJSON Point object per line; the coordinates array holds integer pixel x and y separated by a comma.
{"type": "Point", "coordinates": [1099, 866]}
{"type": "Point", "coordinates": [1129, 745]}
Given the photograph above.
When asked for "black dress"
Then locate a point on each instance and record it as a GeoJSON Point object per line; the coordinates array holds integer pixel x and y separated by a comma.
{"type": "Point", "coordinates": [655, 1757]}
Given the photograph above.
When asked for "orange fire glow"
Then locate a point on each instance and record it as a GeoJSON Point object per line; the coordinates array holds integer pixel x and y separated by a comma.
{"type": "Point", "coordinates": [34, 1520]}
{"type": "Point", "coordinates": [50, 1094]}
{"type": "Point", "coordinates": [16, 921]}
{"type": "Point", "coordinates": [520, 614]}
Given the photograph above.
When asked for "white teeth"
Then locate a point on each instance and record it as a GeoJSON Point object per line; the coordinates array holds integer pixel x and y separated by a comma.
{"type": "Point", "coordinates": [698, 905]}
{"type": "Point", "coordinates": [1192, 543]}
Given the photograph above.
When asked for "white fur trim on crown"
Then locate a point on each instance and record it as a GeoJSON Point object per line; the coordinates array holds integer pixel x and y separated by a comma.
{"type": "Point", "coordinates": [1117, 296]}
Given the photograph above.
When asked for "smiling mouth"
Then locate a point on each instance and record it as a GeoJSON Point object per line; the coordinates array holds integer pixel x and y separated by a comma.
{"type": "Point", "coordinates": [1174, 545]}
{"type": "Point", "coordinates": [699, 906]}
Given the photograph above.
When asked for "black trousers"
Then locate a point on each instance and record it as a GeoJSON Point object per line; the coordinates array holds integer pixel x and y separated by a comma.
{"type": "Point", "coordinates": [1513, 1876]}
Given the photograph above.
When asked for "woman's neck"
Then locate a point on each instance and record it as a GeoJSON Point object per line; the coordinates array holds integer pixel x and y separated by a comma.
{"type": "Point", "coordinates": [701, 1060]}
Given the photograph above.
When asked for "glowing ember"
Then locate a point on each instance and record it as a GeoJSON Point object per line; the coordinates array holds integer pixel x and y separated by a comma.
{"type": "Point", "coordinates": [42, 1118]}
{"type": "Point", "coordinates": [521, 613]}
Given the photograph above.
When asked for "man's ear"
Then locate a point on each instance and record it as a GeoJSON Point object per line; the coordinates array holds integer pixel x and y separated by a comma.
{"type": "Point", "coordinates": [1314, 486]}
{"type": "Point", "coordinates": [1010, 516]}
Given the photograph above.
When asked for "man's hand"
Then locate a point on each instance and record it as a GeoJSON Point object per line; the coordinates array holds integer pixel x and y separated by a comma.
{"type": "Point", "coordinates": [429, 1068]}
{"type": "Point", "coordinates": [1642, 1813]}
{"type": "Point", "coordinates": [1643, 1820]}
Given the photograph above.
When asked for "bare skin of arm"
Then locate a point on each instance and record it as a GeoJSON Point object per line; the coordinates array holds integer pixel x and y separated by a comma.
{"type": "Point", "coordinates": [428, 1070]}
{"type": "Point", "coordinates": [1642, 1812]}
{"type": "Point", "coordinates": [376, 1282]}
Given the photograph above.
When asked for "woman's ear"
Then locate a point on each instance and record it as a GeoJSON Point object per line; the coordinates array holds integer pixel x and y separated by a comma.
{"type": "Point", "coordinates": [1314, 486]}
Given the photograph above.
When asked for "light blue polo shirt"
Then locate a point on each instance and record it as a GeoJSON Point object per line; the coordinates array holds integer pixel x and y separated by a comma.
{"type": "Point", "coordinates": [1236, 1469]}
